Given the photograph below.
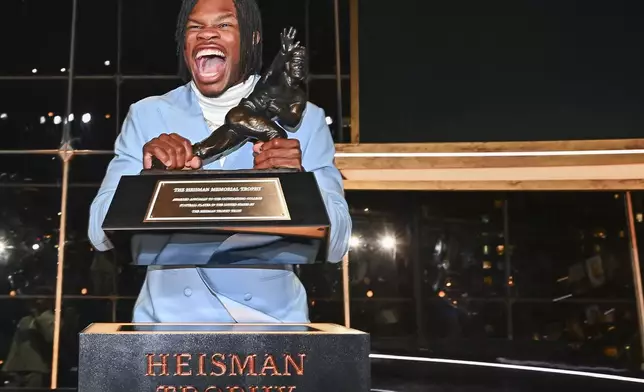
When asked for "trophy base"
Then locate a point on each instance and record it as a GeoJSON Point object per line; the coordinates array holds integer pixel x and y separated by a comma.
{"type": "Point", "coordinates": [196, 208]}
{"type": "Point", "coordinates": [212, 357]}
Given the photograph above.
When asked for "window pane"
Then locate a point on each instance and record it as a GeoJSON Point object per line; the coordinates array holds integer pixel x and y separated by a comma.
{"type": "Point", "coordinates": [44, 49]}
{"type": "Point", "coordinates": [277, 16]}
{"type": "Point", "coordinates": [323, 284]}
{"type": "Point", "coordinates": [30, 120]}
{"type": "Point", "coordinates": [463, 319]}
{"type": "Point", "coordinates": [570, 244]}
{"type": "Point", "coordinates": [77, 315]}
{"type": "Point", "coordinates": [96, 37]}
{"type": "Point", "coordinates": [94, 109]}
{"type": "Point", "coordinates": [30, 169]}
{"type": "Point", "coordinates": [133, 91]}
{"type": "Point", "coordinates": [86, 269]}
{"type": "Point", "coordinates": [18, 326]}
{"type": "Point", "coordinates": [588, 334]}
{"type": "Point", "coordinates": [345, 37]}
{"type": "Point", "coordinates": [89, 170]}
{"type": "Point", "coordinates": [379, 265]}
{"type": "Point", "coordinates": [322, 39]}
{"type": "Point", "coordinates": [29, 234]}
{"type": "Point", "coordinates": [148, 42]}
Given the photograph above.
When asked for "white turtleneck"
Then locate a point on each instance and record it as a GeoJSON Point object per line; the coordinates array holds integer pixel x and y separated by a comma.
{"type": "Point", "coordinates": [215, 109]}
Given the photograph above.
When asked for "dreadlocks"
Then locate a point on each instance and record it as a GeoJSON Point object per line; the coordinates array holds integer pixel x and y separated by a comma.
{"type": "Point", "coordinates": [250, 23]}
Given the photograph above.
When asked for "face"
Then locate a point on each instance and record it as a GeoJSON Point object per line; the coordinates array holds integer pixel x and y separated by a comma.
{"type": "Point", "coordinates": [212, 49]}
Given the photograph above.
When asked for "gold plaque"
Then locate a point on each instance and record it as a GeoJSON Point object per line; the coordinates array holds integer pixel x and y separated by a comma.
{"type": "Point", "coordinates": [218, 200]}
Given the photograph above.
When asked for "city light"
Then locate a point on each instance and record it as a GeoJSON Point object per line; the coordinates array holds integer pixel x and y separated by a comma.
{"type": "Point", "coordinates": [70, 117]}
{"type": "Point", "coordinates": [355, 241]}
{"type": "Point", "coordinates": [388, 242]}
{"type": "Point", "coordinates": [42, 119]}
{"type": "Point", "coordinates": [329, 120]}
{"type": "Point", "coordinates": [35, 246]}
{"type": "Point", "coordinates": [84, 291]}
{"type": "Point", "coordinates": [87, 118]}
{"type": "Point", "coordinates": [4, 116]}
{"type": "Point", "coordinates": [57, 120]}
{"type": "Point", "coordinates": [63, 69]}
{"type": "Point", "coordinates": [369, 294]}
{"type": "Point", "coordinates": [107, 63]}
{"type": "Point", "coordinates": [34, 71]}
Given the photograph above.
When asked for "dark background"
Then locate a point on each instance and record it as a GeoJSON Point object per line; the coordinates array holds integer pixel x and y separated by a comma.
{"type": "Point", "coordinates": [472, 275]}
{"type": "Point", "coordinates": [502, 70]}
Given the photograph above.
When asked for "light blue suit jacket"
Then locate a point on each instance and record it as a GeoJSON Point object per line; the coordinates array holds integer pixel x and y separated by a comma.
{"type": "Point", "coordinates": [269, 293]}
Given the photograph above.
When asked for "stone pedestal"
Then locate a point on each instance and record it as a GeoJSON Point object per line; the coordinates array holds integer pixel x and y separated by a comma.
{"type": "Point", "coordinates": [223, 358]}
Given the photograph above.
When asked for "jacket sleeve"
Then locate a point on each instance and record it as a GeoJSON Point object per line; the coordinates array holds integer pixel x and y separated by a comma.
{"type": "Point", "coordinates": [319, 158]}
{"type": "Point", "coordinates": [128, 160]}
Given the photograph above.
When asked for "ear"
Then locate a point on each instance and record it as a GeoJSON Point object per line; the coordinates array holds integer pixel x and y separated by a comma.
{"type": "Point", "coordinates": [256, 38]}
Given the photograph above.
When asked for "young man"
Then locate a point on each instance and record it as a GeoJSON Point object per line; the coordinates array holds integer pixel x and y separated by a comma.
{"type": "Point", "coordinates": [221, 42]}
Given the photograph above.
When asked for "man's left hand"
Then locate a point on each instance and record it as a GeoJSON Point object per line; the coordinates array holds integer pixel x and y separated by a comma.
{"type": "Point", "coordinates": [278, 153]}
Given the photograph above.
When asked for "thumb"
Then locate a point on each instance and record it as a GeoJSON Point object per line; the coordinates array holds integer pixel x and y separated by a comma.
{"type": "Point", "coordinates": [257, 147]}
{"type": "Point", "coordinates": [147, 161]}
{"type": "Point", "coordinates": [195, 163]}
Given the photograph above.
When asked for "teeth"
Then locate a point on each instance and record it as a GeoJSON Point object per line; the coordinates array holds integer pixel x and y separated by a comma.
{"type": "Point", "coordinates": [209, 52]}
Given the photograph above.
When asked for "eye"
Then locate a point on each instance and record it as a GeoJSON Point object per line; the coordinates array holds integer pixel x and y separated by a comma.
{"type": "Point", "coordinates": [224, 25]}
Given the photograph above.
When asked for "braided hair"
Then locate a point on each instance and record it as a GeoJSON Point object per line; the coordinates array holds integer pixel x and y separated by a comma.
{"type": "Point", "coordinates": [250, 23]}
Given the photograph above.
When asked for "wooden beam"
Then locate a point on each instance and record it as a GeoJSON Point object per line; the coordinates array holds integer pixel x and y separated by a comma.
{"type": "Point", "coordinates": [555, 165]}
{"type": "Point", "coordinates": [355, 70]}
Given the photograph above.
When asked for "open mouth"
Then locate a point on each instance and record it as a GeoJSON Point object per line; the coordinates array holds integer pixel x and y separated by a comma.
{"type": "Point", "coordinates": [210, 62]}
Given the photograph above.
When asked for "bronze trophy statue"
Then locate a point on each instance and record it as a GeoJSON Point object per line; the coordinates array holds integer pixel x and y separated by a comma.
{"type": "Point", "coordinates": [277, 101]}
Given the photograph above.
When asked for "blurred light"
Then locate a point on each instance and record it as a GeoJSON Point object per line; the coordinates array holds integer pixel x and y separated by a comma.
{"type": "Point", "coordinates": [42, 119]}
{"type": "Point", "coordinates": [50, 114]}
{"type": "Point", "coordinates": [84, 291]}
{"type": "Point", "coordinates": [63, 69]}
{"type": "Point", "coordinates": [486, 250]}
{"type": "Point", "coordinates": [441, 294]}
{"type": "Point", "coordinates": [4, 116]}
{"type": "Point", "coordinates": [12, 293]}
{"type": "Point", "coordinates": [355, 241]}
{"type": "Point", "coordinates": [70, 117]}
{"type": "Point", "coordinates": [108, 116]}
{"type": "Point", "coordinates": [107, 63]}
{"type": "Point", "coordinates": [500, 250]}
{"type": "Point", "coordinates": [87, 118]}
{"type": "Point", "coordinates": [35, 246]}
{"type": "Point", "coordinates": [366, 210]}
{"type": "Point", "coordinates": [639, 217]}
{"type": "Point", "coordinates": [34, 70]}
{"type": "Point", "coordinates": [487, 264]}
{"type": "Point", "coordinates": [448, 284]}
{"type": "Point", "coordinates": [329, 120]}
{"type": "Point", "coordinates": [60, 213]}
{"type": "Point", "coordinates": [57, 120]}
{"type": "Point", "coordinates": [388, 242]}
{"type": "Point", "coordinates": [369, 293]}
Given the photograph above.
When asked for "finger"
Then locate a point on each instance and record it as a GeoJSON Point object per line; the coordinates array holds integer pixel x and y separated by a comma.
{"type": "Point", "coordinates": [180, 150]}
{"type": "Point", "coordinates": [281, 143]}
{"type": "Point", "coordinates": [187, 146]}
{"type": "Point", "coordinates": [169, 152]}
{"type": "Point", "coordinates": [147, 161]}
{"type": "Point", "coordinates": [161, 155]}
{"type": "Point", "coordinates": [275, 163]}
{"type": "Point", "coordinates": [279, 154]}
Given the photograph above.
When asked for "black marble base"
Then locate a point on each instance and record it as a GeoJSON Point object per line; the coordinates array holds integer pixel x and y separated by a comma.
{"type": "Point", "coordinates": [223, 358]}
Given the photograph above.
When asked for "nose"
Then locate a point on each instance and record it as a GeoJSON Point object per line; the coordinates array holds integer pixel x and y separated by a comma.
{"type": "Point", "coordinates": [208, 33]}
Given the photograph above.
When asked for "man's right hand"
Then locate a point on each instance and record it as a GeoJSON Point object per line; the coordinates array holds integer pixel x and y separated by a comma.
{"type": "Point", "coordinates": [173, 150]}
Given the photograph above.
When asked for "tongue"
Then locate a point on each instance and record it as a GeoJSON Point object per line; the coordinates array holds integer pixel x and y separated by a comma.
{"type": "Point", "coordinates": [211, 65]}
